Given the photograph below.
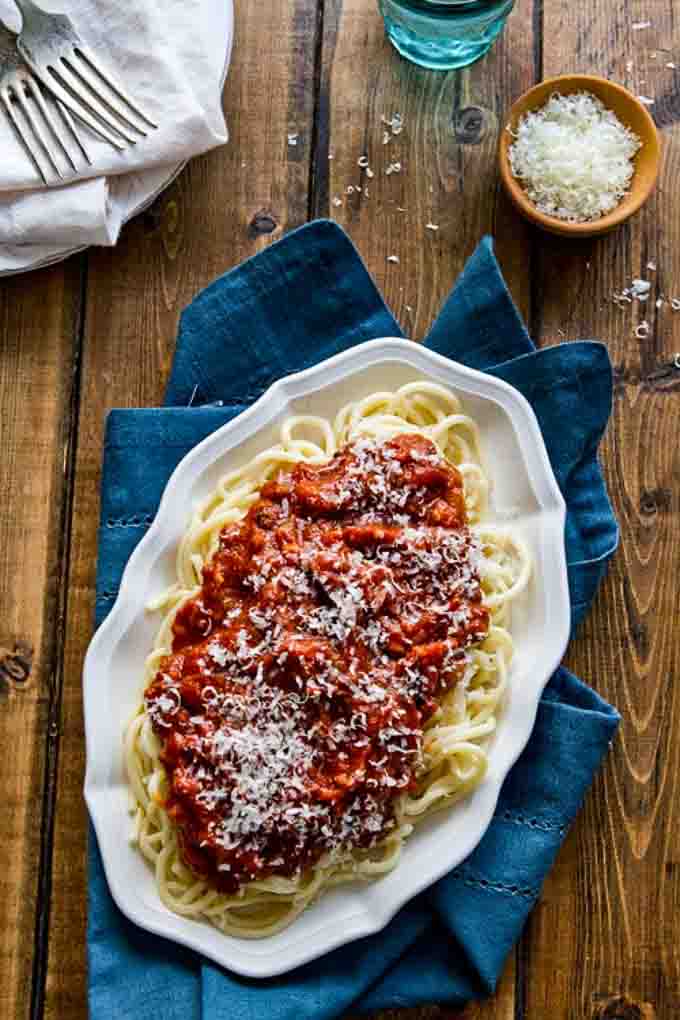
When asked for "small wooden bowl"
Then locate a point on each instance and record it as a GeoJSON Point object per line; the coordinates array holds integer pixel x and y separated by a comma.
{"type": "Point", "coordinates": [630, 112]}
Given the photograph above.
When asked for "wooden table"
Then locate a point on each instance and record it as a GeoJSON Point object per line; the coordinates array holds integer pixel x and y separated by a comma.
{"type": "Point", "coordinates": [98, 331]}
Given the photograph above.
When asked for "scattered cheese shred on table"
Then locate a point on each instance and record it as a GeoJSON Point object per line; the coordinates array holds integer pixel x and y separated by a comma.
{"type": "Point", "coordinates": [574, 157]}
{"type": "Point", "coordinates": [640, 289]}
{"type": "Point", "coordinates": [394, 123]}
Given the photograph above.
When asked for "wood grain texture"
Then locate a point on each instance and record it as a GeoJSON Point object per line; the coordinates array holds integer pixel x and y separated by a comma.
{"type": "Point", "coordinates": [603, 943]}
{"type": "Point", "coordinates": [445, 154]}
{"type": "Point", "coordinates": [217, 213]}
{"type": "Point", "coordinates": [446, 179]}
{"type": "Point", "coordinates": [38, 346]}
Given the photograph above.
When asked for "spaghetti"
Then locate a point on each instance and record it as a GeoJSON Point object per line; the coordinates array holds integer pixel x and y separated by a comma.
{"type": "Point", "coordinates": [330, 663]}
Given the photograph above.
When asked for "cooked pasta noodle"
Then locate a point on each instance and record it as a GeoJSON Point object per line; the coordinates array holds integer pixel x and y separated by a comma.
{"type": "Point", "coordinates": [453, 757]}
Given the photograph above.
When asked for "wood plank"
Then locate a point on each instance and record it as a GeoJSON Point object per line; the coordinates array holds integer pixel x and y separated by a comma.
{"type": "Point", "coordinates": [448, 178]}
{"type": "Point", "coordinates": [216, 214]}
{"type": "Point", "coordinates": [38, 320]}
{"type": "Point", "coordinates": [446, 152]}
{"type": "Point", "coordinates": [603, 942]}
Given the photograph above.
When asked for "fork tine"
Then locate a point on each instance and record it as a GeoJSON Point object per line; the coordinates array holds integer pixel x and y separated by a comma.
{"type": "Point", "coordinates": [36, 92]}
{"type": "Point", "coordinates": [82, 73]}
{"type": "Point", "coordinates": [79, 65]}
{"type": "Point", "coordinates": [68, 120]}
{"type": "Point", "coordinates": [37, 128]}
{"type": "Point", "coordinates": [86, 53]}
{"type": "Point", "coordinates": [23, 137]}
{"type": "Point", "coordinates": [89, 99]}
{"type": "Point", "coordinates": [65, 98]}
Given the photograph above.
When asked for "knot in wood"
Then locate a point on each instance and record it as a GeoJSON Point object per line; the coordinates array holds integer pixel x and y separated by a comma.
{"type": "Point", "coordinates": [623, 1008]}
{"type": "Point", "coordinates": [654, 500]}
{"type": "Point", "coordinates": [262, 223]}
{"type": "Point", "coordinates": [16, 665]}
{"type": "Point", "coordinates": [469, 125]}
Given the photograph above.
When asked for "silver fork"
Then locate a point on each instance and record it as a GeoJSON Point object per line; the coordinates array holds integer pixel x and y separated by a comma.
{"type": "Point", "coordinates": [38, 126]}
{"type": "Point", "coordinates": [70, 70]}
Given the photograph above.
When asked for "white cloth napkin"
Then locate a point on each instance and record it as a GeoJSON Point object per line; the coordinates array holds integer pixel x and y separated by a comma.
{"type": "Point", "coordinates": [159, 49]}
{"type": "Point", "coordinates": [64, 216]}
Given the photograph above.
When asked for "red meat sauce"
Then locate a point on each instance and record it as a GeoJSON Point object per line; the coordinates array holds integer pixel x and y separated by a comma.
{"type": "Point", "coordinates": [329, 623]}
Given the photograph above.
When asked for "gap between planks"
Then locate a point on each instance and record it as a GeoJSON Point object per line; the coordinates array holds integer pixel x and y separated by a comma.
{"type": "Point", "coordinates": [54, 663]}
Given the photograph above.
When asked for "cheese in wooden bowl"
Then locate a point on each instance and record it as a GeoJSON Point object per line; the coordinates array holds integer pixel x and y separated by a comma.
{"type": "Point", "coordinates": [578, 155]}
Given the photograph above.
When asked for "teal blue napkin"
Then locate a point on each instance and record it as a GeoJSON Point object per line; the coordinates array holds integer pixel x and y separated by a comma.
{"type": "Point", "coordinates": [299, 301]}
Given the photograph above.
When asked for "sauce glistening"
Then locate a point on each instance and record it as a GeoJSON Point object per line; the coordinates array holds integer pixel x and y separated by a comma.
{"type": "Point", "coordinates": [329, 622]}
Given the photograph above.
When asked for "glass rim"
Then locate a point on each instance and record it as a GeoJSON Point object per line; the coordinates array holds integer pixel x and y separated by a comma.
{"type": "Point", "coordinates": [433, 5]}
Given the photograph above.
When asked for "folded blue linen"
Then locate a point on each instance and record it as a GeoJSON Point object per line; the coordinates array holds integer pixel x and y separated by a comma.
{"type": "Point", "coordinates": [301, 300]}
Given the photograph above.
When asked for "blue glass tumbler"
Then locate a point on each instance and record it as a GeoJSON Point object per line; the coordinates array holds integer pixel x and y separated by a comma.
{"type": "Point", "coordinates": [443, 34]}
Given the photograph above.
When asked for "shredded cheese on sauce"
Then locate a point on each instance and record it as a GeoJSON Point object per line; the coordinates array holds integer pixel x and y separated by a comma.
{"type": "Point", "coordinates": [330, 662]}
{"type": "Point", "coordinates": [362, 620]}
{"type": "Point", "coordinates": [574, 157]}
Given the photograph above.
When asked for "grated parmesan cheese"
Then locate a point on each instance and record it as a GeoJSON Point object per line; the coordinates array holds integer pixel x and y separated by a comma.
{"type": "Point", "coordinates": [394, 123]}
{"type": "Point", "coordinates": [640, 289]}
{"type": "Point", "coordinates": [574, 157]}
